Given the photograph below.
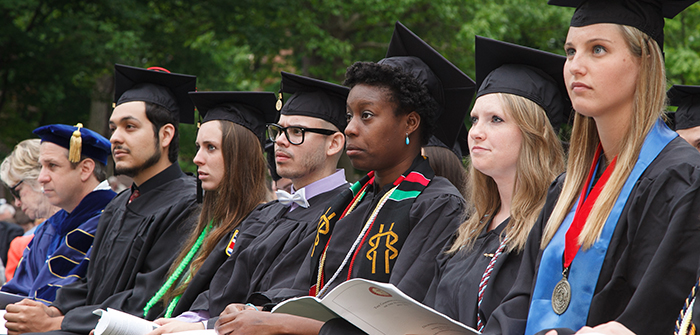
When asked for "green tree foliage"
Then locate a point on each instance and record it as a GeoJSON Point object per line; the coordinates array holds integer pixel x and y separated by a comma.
{"type": "Point", "coordinates": [55, 53]}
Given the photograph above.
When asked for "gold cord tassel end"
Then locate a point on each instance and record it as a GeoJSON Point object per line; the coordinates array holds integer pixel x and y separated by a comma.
{"type": "Point", "coordinates": [76, 145]}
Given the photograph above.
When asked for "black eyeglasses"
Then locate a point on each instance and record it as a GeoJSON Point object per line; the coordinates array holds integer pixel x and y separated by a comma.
{"type": "Point", "coordinates": [294, 134]}
{"type": "Point", "coordinates": [14, 191]}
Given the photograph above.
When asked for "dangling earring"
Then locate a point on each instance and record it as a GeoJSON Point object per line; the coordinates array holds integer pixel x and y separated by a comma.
{"type": "Point", "coordinates": [407, 140]}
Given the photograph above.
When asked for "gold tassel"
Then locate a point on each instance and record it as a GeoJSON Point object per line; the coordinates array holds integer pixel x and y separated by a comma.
{"type": "Point", "coordinates": [76, 145]}
{"type": "Point", "coordinates": [278, 105]}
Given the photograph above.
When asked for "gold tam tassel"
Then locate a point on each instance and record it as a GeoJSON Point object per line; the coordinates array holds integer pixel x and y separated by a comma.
{"type": "Point", "coordinates": [76, 145]}
{"type": "Point", "coordinates": [278, 105]}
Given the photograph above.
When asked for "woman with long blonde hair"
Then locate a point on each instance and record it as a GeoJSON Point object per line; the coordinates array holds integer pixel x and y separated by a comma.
{"type": "Point", "coordinates": [617, 239]}
{"type": "Point", "coordinates": [515, 154]}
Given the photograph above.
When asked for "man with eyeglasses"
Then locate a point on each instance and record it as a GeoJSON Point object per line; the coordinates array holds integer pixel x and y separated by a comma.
{"type": "Point", "coordinates": [308, 142]}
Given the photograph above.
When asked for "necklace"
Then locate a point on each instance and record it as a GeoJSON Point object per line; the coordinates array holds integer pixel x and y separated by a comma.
{"type": "Point", "coordinates": [176, 274]}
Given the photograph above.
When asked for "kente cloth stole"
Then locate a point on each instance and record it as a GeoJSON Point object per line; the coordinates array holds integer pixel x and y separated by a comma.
{"type": "Point", "coordinates": [585, 268]}
{"type": "Point", "coordinates": [385, 230]}
{"type": "Point", "coordinates": [685, 325]}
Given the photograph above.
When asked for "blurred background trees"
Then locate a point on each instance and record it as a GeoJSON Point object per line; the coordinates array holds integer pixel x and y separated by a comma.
{"type": "Point", "coordinates": [57, 56]}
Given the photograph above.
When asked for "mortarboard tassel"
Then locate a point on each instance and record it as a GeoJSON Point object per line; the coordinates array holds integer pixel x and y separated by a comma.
{"type": "Point", "coordinates": [279, 102]}
{"type": "Point", "coordinates": [200, 191]}
{"type": "Point", "coordinates": [76, 145]}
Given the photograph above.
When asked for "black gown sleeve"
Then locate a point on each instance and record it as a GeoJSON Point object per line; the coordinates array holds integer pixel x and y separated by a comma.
{"type": "Point", "coordinates": [168, 230]}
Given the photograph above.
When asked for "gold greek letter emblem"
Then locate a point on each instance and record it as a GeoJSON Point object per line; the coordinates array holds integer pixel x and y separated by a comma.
{"type": "Point", "coordinates": [323, 227]}
{"type": "Point", "coordinates": [389, 253]}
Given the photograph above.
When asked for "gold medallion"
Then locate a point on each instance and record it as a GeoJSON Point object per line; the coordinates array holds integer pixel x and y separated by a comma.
{"type": "Point", "coordinates": [278, 105]}
{"type": "Point", "coordinates": [561, 296]}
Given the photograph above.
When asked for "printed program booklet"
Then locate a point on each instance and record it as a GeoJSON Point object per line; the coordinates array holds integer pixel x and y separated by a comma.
{"type": "Point", "coordinates": [377, 309]}
{"type": "Point", "coordinates": [9, 298]}
{"type": "Point", "coordinates": [115, 322]}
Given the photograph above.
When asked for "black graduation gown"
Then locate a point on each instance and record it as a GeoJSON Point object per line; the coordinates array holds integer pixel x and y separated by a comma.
{"type": "Point", "coordinates": [132, 251]}
{"type": "Point", "coordinates": [8, 232]}
{"type": "Point", "coordinates": [653, 255]}
{"type": "Point", "coordinates": [247, 231]}
{"type": "Point", "coordinates": [435, 215]}
{"type": "Point", "coordinates": [455, 288]}
{"type": "Point", "coordinates": [268, 265]}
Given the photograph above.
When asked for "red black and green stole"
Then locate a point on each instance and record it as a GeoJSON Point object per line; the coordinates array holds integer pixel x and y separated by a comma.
{"type": "Point", "coordinates": [384, 232]}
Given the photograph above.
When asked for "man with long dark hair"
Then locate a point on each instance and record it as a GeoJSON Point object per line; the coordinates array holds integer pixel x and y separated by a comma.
{"type": "Point", "coordinates": [137, 232]}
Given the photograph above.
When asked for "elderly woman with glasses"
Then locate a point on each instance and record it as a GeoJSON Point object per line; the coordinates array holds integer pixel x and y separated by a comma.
{"type": "Point", "coordinates": [19, 171]}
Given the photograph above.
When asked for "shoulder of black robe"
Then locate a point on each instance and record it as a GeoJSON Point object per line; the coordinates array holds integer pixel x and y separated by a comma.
{"type": "Point", "coordinates": [271, 261]}
{"type": "Point", "coordinates": [651, 263]}
{"type": "Point", "coordinates": [8, 232]}
{"type": "Point", "coordinates": [131, 254]}
{"type": "Point", "coordinates": [434, 217]}
{"type": "Point", "coordinates": [246, 232]}
{"type": "Point", "coordinates": [454, 290]}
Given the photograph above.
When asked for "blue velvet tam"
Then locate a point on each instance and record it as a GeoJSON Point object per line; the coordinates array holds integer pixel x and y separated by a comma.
{"type": "Point", "coordinates": [83, 140]}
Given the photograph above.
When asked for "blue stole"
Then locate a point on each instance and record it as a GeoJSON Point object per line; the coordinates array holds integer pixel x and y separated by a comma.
{"type": "Point", "coordinates": [585, 269]}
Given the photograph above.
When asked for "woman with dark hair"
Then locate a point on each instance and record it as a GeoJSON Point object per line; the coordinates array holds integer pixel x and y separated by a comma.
{"type": "Point", "coordinates": [231, 168]}
{"type": "Point", "coordinates": [447, 162]}
{"type": "Point", "coordinates": [617, 238]}
{"type": "Point", "coordinates": [391, 225]}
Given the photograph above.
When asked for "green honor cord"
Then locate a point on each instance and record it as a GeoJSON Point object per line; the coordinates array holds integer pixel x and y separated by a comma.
{"type": "Point", "coordinates": [173, 277]}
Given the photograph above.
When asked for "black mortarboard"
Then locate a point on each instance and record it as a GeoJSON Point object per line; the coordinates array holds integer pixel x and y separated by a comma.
{"type": "Point", "coordinates": [449, 86]}
{"type": "Point", "coordinates": [314, 98]}
{"type": "Point", "coordinates": [168, 90]}
{"type": "Point", "coordinates": [687, 98]}
{"type": "Point", "coordinates": [253, 110]}
{"type": "Point", "coordinates": [530, 73]}
{"type": "Point", "coordinates": [271, 164]}
{"type": "Point", "coordinates": [435, 142]}
{"type": "Point", "coordinates": [645, 15]}
{"type": "Point", "coordinates": [78, 140]}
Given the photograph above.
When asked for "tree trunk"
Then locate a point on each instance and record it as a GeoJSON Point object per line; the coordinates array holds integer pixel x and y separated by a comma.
{"type": "Point", "coordinates": [101, 105]}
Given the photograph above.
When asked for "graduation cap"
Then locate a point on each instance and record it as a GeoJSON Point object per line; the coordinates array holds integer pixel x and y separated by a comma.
{"type": "Point", "coordinates": [253, 110]}
{"type": "Point", "coordinates": [530, 73]}
{"type": "Point", "coordinates": [78, 140]}
{"type": "Point", "coordinates": [687, 98]}
{"type": "Point", "coordinates": [168, 90]}
{"type": "Point", "coordinates": [645, 15]}
{"type": "Point", "coordinates": [447, 84]}
{"type": "Point", "coordinates": [271, 164]}
{"type": "Point", "coordinates": [670, 119]}
{"type": "Point", "coordinates": [314, 98]}
{"type": "Point", "coordinates": [460, 147]}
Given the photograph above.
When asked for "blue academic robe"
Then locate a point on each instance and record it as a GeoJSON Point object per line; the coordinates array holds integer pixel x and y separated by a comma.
{"type": "Point", "coordinates": [59, 253]}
